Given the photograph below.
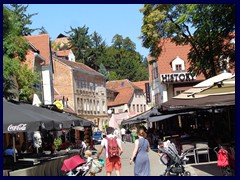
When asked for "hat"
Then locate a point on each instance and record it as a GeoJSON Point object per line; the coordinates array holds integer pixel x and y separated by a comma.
{"type": "Point", "coordinates": [88, 152]}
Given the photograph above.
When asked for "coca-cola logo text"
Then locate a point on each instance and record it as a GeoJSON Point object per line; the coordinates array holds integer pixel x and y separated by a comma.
{"type": "Point", "coordinates": [20, 127]}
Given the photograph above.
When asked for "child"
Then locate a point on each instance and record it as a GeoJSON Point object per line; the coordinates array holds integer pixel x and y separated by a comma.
{"type": "Point", "coordinates": [88, 156]}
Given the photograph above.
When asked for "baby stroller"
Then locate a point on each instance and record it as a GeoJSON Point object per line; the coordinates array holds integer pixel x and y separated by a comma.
{"type": "Point", "coordinates": [225, 161]}
{"type": "Point", "coordinates": [73, 166]}
{"type": "Point", "coordinates": [174, 162]}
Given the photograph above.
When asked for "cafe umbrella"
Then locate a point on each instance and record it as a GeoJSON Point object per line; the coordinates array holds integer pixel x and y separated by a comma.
{"type": "Point", "coordinates": [24, 117]}
{"type": "Point", "coordinates": [19, 119]}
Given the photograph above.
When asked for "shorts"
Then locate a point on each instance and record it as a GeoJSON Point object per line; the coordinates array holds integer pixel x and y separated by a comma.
{"type": "Point", "coordinates": [113, 163]}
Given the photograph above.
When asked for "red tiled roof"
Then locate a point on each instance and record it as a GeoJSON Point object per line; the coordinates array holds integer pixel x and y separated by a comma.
{"type": "Point", "coordinates": [42, 43]}
{"type": "Point", "coordinates": [169, 52]}
{"type": "Point", "coordinates": [63, 53]}
{"type": "Point", "coordinates": [141, 84]}
{"type": "Point", "coordinates": [77, 65]}
{"type": "Point", "coordinates": [125, 88]}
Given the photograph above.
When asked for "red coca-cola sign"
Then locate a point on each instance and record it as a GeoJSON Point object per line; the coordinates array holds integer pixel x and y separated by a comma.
{"type": "Point", "coordinates": [20, 127]}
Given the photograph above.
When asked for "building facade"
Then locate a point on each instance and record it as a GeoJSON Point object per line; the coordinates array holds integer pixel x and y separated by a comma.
{"type": "Point", "coordinates": [126, 99]}
{"type": "Point", "coordinates": [83, 88]}
{"type": "Point", "coordinates": [168, 73]}
{"type": "Point", "coordinates": [39, 59]}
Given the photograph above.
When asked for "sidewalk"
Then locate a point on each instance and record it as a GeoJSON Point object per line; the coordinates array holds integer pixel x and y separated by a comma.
{"type": "Point", "coordinates": [201, 169]}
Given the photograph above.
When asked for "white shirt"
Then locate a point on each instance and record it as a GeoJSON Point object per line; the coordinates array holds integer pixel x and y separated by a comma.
{"type": "Point", "coordinates": [104, 143]}
{"type": "Point", "coordinates": [123, 131]}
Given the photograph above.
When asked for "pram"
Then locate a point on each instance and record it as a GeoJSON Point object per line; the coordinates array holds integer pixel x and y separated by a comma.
{"type": "Point", "coordinates": [73, 166]}
{"type": "Point", "coordinates": [174, 162]}
{"type": "Point", "coordinates": [225, 161]}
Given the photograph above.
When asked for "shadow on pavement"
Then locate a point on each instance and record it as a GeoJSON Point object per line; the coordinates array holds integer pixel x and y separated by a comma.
{"type": "Point", "coordinates": [210, 169]}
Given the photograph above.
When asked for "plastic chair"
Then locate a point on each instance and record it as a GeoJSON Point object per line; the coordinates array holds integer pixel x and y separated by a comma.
{"type": "Point", "coordinates": [191, 152]}
{"type": "Point", "coordinates": [201, 149]}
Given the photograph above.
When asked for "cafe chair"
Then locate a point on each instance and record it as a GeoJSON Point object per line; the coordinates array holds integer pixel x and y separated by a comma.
{"type": "Point", "coordinates": [186, 147]}
{"type": "Point", "coordinates": [202, 148]}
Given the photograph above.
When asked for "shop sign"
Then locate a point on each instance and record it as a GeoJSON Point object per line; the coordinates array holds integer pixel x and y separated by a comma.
{"type": "Point", "coordinates": [177, 77]}
{"type": "Point", "coordinates": [20, 127]}
{"type": "Point", "coordinates": [147, 90]}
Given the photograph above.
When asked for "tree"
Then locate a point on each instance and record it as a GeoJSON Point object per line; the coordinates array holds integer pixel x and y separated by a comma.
{"type": "Point", "coordinates": [42, 30]}
{"type": "Point", "coordinates": [15, 75]}
{"type": "Point", "coordinates": [22, 19]}
{"type": "Point", "coordinates": [213, 24]}
{"type": "Point", "coordinates": [103, 71]}
{"type": "Point", "coordinates": [123, 62]}
{"type": "Point", "coordinates": [96, 51]}
{"type": "Point", "coordinates": [80, 42]}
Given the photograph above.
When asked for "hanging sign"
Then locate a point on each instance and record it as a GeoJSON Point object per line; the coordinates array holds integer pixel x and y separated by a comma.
{"type": "Point", "coordinates": [59, 104]}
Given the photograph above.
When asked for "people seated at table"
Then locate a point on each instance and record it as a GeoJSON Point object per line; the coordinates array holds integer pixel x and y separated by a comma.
{"type": "Point", "coordinates": [80, 144]}
{"type": "Point", "coordinates": [24, 147]}
{"type": "Point", "coordinates": [9, 151]}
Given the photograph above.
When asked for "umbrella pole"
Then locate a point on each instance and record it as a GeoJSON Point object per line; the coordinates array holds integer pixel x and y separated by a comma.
{"type": "Point", "coordinates": [14, 153]}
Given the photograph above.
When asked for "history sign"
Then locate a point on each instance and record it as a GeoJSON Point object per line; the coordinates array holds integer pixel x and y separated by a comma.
{"type": "Point", "coordinates": [177, 77]}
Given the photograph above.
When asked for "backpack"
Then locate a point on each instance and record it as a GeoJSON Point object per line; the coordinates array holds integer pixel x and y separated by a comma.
{"type": "Point", "coordinates": [113, 149]}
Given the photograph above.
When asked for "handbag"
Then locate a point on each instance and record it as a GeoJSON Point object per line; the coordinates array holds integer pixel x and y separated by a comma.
{"type": "Point", "coordinates": [96, 166]}
{"type": "Point", "coordinates": [134, 159]}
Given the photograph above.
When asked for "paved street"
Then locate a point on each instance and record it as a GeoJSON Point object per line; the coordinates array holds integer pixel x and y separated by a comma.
{"type": "Point", "coordinates": [202, 169]}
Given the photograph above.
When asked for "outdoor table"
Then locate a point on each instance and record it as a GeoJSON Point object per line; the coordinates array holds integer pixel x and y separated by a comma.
{"type": "Point", "coordinates": [50, 166]}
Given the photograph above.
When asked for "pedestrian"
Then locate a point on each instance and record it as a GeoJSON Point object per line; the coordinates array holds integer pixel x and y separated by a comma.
{"type": "Point", "coordinates": [111, 142]}
{"type": "Point", "coordinates": [123, 132]}
{"type": "Point", "coordinates": [141, 149]}
{"type": "Point", "coordinates": [117, 133]}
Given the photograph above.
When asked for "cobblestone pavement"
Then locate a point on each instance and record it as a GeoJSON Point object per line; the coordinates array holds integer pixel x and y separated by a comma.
{"type": "Point", "coordinates": [201, 169]}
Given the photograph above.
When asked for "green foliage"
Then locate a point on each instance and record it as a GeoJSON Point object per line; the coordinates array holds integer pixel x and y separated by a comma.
{"type": "Point", "coordinates": [120, 59]}
{"type": "Point", "coordinates": [213, 25]}
{"type": "Point", "coordinates": [103, 71]}
{"type": "Point", "coordinates": [16, 77]}
{"type": "Point", "coordinates": [26, 81]}
{"type": "Point", "coordinates": [80, 42]}
{"type": "Point", "coordinates": [9, 67]}
{"type": "Point", "coordinates": [22, 19]}
{"type": "Point", "coordinates": [42, 30]}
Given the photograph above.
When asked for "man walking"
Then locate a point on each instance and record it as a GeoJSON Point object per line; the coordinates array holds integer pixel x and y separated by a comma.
{"type": "Point", "coordinates": [113, 150]}
{"type": "Point", "coordinates": [123, 132]}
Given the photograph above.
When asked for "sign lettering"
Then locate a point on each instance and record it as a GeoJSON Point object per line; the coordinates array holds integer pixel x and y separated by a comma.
{"type": "Point", "coordinates": [147, 89]}
{"type": "Point", "coordinates": [177, 77]}
{"type": "Point", "coordinates": [20, 127]}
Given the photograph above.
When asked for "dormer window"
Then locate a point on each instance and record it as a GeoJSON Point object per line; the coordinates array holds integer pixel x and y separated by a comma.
{"type": "Point", "coordinates": [178, 65]}
{"type": "Point", "coordinates": [122, 84]}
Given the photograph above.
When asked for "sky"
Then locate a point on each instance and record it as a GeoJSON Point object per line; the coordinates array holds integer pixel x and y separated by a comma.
{"type": "Point", "coordinates": [106, 19]}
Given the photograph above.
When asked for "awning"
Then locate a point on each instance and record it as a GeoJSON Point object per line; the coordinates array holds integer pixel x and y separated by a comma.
{"type": "Point", "coordinates": [161, 117]}
{"type": "Point", "coordinates": [22, 117]}
{"type": "Point", "coordinates": [217, 91]}
{"type": "Point", "coordinates": [124, 122]}
{"type": "Point", "coordinates": [141, 118]}
{"type": "Point", "coordinates": [204, 102]}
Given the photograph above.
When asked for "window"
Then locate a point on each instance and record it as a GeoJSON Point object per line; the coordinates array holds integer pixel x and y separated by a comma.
{"type": "Point", "coordinates": [122, 84]}
{"type": "Point", "coordinates": [133, 107]}
{"type": "Point", "coordinates": [178, 67]}
{"type": "Point", "coordinates": [137, 108]}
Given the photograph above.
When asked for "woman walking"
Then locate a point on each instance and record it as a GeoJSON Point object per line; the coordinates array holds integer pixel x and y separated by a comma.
{"type": "Point", "coordinates": [141, 149]}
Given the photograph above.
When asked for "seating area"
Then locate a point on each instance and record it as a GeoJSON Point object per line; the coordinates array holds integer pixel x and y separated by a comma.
{"type": "Point", "coordinates": [199, 150]}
